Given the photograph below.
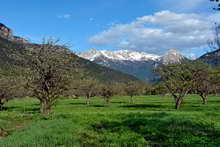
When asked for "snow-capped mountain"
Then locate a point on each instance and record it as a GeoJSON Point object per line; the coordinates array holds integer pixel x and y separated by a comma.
{"type": "Point", "coordinates": [139, 64]}
{"type": "Point", "coordinates": [172, 56]}
{"type": "Point", "coordinates": [123, 55]}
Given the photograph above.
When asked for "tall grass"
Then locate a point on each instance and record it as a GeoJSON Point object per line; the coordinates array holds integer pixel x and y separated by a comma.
{"type": "Point", "coordinates": [151, 121]}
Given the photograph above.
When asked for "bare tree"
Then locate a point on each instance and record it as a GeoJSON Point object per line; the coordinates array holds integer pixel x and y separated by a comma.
{"type": "Point", "coordinates": [106, 91]}
{"type": "Point", "coordinates": [88, 89]}
{"type": "Point", "coordinates": [132, 89]}
{"type": "Point", "coordinates": [158, 89]}
{"type": "Point", "coordinates": [215, 80]}
{"type": "Point", "coordinates": [10, 85]}
{"type": "Point", "coordinates": [6, 86]}
{"type": "Point", "coordinates": [178, 79]}
{"type": "Point", "coordinates": [202, 80]}
{"type": "Point", "coordinates": [49, 71]}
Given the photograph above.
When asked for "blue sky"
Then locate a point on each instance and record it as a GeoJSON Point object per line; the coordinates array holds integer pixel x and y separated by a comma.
{"type": "Point", "coordinates": [107, 24]}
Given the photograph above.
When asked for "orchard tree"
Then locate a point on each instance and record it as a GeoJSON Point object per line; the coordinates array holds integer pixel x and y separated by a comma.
{"type": "Point", "coordinates": [202, 80]}
{"type": "Point", "coordinates": [132, 89]}
{"type": "Point", "coordinates": [49, 67]}
{"type": "Point", "coordinates": [11, 85]}
{"type": "Point", "coordinates": [6, 88]}
{"type": "Point", "coordinates": [178, 79]}
{"type": "Point", "coordinates": [159, 89]}
{"type": "Point", "coordinates": [215, 80]}
{"type": "Point", "coordinates": [88, 89]}
{"type": "Point", "coordinates": [106, 91]}
{"type": "Point", "coordinates": [118, 89]}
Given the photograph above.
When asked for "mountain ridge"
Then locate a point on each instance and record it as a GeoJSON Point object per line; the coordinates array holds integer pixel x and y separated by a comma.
{"type": "Point", "coordinates": [126, 55]}
{"type": "Point", "coordinates": [138, 64]}
{"type": "Point", "coordinates": [212, 58]}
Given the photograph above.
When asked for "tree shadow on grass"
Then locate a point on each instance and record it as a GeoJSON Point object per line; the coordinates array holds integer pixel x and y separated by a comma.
{"type": "Point", "coordinates": [98, 106]}
{"type": "Point", "coordinates": [162, 129]}
{"type": "Point", "coordinates": [21, 109]}
{"type": "Point", "coordinates": [78, 103]}
{"type": "Point", "coordinates": [196, 106]}
{"type": "Point", "coordinates": [214, 101]}
{"type": "Point", "coordinates": [143, 106]}
{"type": "Point", "coordinates": [32, 109]}
{"type": "Point", "coordinates": [12, 108]}
{"type": "Point", "coordinates": [118, 102]}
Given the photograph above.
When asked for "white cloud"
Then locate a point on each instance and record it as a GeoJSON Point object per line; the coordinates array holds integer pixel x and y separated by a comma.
{"type": "Point", "coordinates": [65, 16]}
{"type": "Point", "coordinates": [159, 32]}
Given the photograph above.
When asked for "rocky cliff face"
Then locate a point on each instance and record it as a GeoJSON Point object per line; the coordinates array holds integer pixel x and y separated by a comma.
{"type": "Point", "coordinates": [7, 33]}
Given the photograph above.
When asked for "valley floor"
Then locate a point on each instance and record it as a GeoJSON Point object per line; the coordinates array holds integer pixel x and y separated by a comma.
{"type": "Point", "coordinates": [151, 121]}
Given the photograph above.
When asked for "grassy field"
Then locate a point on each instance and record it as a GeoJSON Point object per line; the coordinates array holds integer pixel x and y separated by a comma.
{"type": "Point", "coordinates": [151, 121]}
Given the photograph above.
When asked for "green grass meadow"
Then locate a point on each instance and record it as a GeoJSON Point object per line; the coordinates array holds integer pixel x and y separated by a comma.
{"type": "Point", "coordinates": [151, 121]}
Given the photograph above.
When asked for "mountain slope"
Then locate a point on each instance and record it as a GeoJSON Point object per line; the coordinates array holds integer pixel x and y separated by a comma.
{"type": "Point", "coordinates": [211, 58]}
{"type": "Point", "coordinates": [105, 74]}
{"type": "Point", "coordinates": [137, 68]}
{"type": "Point", "coordinates": [138, 64]}
{"type": "Point", "coordinates": [95, 71]}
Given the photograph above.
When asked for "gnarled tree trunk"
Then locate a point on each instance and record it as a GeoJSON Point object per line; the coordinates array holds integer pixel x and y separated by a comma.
{"type": "Point", "coordinates": [204, 99]}
{"type": "Point", "coordinates": [87, 100]}
{"type": "Point", "coordinates": [178, 101]}
{"type": "Point", "coordinates": [131, 100]}
{"type": "Point", "coordinates": [1, 104]}
{"type": "Point", "coordinates": [107, 100]}
{"type": "Point", "coordinates": [45, 107]}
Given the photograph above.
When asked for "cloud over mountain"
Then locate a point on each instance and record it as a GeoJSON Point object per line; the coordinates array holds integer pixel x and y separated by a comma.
{"type": "Point", "coordinates": [159, 32]}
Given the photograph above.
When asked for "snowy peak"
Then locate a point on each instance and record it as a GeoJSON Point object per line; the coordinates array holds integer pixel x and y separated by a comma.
{"type": "Point", "coordinates": [122, 55]}
{"type": "Point", "coordinates": [172, 56]}
{"type": "Point", "coordinates": [91, 54]}
{"type": "Point", "coordinates": [139, 64]}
